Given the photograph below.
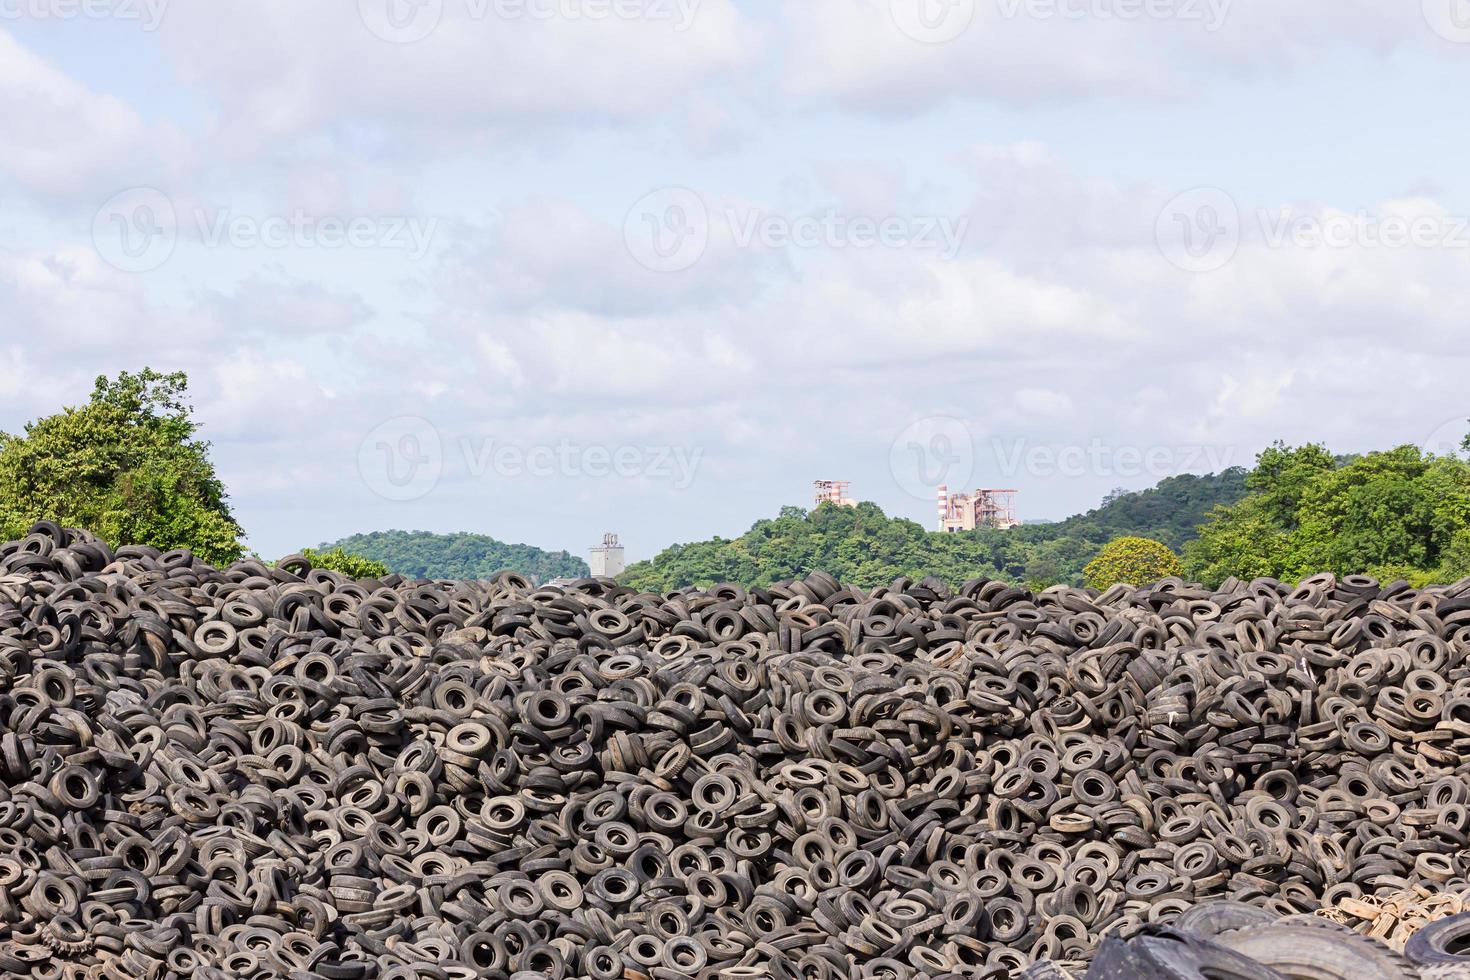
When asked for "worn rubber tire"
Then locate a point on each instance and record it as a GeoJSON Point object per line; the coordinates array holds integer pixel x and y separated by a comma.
{"type": "Point", "coordinates": [1164, 953]}
{"type": "Point", "coordinates": [1441, 942]}
{"type": "Point", "coordinates": [1308, 952]}
{"type": "Point", "coordinates": [1213, 918]}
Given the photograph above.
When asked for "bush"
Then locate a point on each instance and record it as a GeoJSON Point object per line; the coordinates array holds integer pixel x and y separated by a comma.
{"type": "Point", "coordinates": [1131, 560]}
{"type": "Point", "coordinates": [1416, 577]}
{"type": "Point", "coordinates": [337, 560]}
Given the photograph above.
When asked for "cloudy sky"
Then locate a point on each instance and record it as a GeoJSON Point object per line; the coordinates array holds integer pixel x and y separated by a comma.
{"type": "Point", "coordinates": [546, 268]}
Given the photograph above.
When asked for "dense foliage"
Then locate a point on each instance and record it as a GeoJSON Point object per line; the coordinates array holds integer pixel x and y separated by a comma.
{"type": "Point", "coordinates": [1400, 513]}
{"type": "Point", "coordinates": [337, 560]}
{"type": "Point", "coordinates": [1169, 512]}
{"type": "Point", "coordinates": [1135, 561]}
{"type": "Point", "coordinates": [421, 554]}
{"type": "Point", "coordinates": [863, 546]}
{"type": "Point", "coordinates": [126, 466]}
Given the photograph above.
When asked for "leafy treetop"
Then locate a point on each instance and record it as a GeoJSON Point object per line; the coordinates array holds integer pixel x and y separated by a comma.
{"type": "Point", "coordinates": [126, 466]}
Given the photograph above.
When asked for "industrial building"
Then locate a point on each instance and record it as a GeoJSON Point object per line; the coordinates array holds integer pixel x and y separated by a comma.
{"type": "Point", "coordinates": [606, 559]}
{"type": "Point", "coordinates": [832, 492]}
{"type": "Point", "coordinates": [983, 508]}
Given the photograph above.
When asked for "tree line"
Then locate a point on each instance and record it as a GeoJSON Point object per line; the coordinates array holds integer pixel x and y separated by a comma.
{"type": "Point", "coordinates": [129, 465]}
{"type": "Point", "coordinates": [865, 547]}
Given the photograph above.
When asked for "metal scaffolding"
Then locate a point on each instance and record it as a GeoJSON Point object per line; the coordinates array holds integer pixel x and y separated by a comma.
{"type": "Point", "coordinates": [986, 507]}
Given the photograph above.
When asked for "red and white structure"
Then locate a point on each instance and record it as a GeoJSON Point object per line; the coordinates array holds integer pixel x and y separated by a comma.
{"type": "Point", "coordinates": [990, 508]}
{"type": "Point", "coordinates": [832, 492]}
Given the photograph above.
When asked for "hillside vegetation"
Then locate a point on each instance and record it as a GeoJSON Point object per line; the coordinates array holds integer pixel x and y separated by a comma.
{"type": "Point", "coordinates": [129, 465]}
{"type": "Point", "coordinates": [863, 546]}
{"type": "Point", "coordinates": [1396, 514]}
{"type": "Point", "coordinates": [421, 554]}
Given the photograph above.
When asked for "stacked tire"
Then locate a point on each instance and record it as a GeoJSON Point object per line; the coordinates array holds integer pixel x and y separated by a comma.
{"type": "Point", "coordinates": [275, 771]}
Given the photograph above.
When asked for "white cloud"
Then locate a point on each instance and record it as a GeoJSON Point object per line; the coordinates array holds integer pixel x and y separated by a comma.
{"type": "Point", "coordinates": [857, 53]}
{"type": "Point", "coordinates": [62, 138]}
{"type": "Point", "coordinates": [1057, 319]}
{"type": "Point", "coordinates": [1044, 402]}
{"type": "Point", "coordinates": [475, 74]}
{"type": "Point", "coordinates": [277, 303]}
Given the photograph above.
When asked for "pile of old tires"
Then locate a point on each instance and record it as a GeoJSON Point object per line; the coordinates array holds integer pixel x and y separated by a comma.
{"type": "Point", "coordinates": [277, 772]}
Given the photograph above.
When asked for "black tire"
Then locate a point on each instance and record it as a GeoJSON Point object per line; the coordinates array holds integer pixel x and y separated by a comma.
{"type": "Point", "coordinates": [1309, 952]}
{"type": "Point", "coordinates": [1445, 941]}
{"type": "Point", "coordinates": [1163, 953]}
{"type": "Point", "coordinates": [1212, 918]}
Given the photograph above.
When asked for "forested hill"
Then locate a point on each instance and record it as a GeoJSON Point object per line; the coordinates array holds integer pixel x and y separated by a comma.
{"type": "Point", "coordinates": [1170, 512]}
{"type": "Point", "coordinates": [865, 547]}
{"type": "Point", "coordinates": [421, 554]}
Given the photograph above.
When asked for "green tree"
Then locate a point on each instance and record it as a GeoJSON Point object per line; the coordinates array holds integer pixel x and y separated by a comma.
{"type": "Point", "coordinates": [1378, 509]}
{"type": "Point", "coordinates": [337, 560]}
{"type": "Point", "coordinates": [1135, 561]}
{"type": "Point", "coordinates": [1393, 514]}
{"type": "Point", "coordinates": [421, 554]}
{"type": "Point", "coordinates": [1241, 540]}
{"type": "Point", "coordinates": [1457, 558]}
{"type": "Point", "coordinates": [126, 466]}
{"type": "Point", "coordinates": [1282, 476]}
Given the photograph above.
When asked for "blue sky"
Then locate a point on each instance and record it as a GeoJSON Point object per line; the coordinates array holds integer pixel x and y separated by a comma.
{"type": "Point", "coordinates": [501, 346]}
